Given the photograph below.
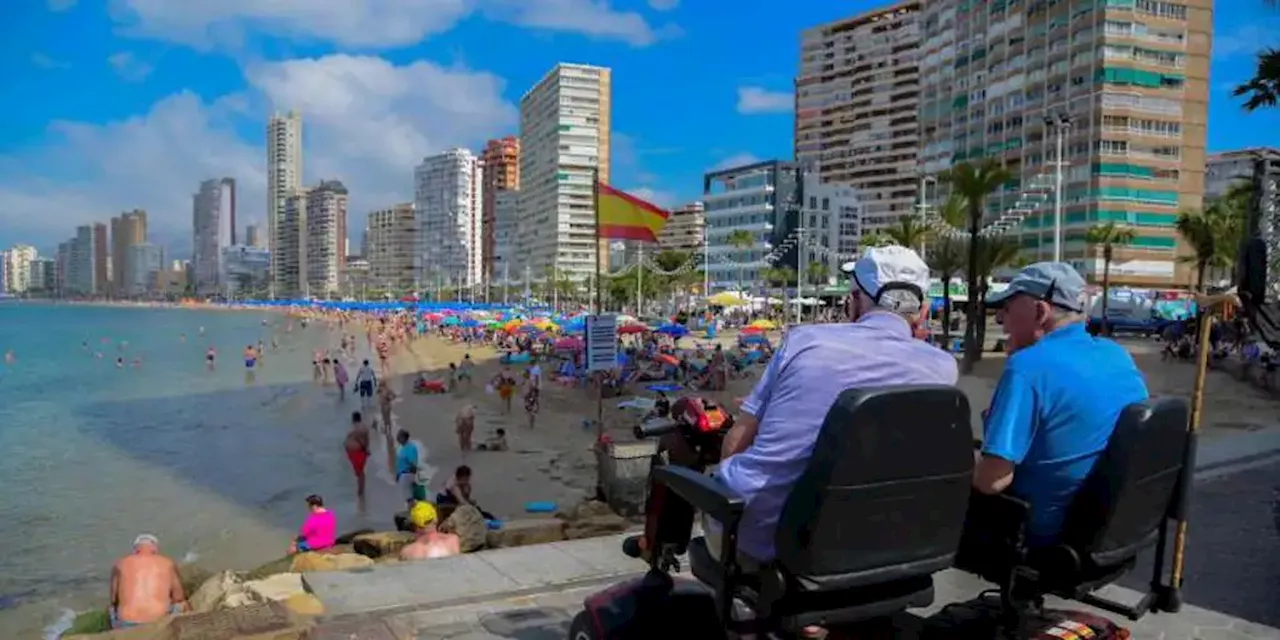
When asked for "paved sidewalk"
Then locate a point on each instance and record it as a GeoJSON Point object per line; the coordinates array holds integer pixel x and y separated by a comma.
{"type": "Point", "coordinates": [532, 593]}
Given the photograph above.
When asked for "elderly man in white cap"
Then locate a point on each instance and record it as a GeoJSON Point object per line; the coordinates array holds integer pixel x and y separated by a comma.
{"type": "Point", "coordinates": [772, 440]}
{"type": "Point", "coordinates": [145, 585]}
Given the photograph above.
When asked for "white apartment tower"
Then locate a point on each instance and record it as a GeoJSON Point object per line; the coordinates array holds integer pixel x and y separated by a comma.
{"type": "Point", "coordinates": [17, 268]}
{"type": "Point", "coordinates": [312, 242]}
{"type": "Point", "coordinates": [448, 196]}
{"type": "Point", "coordinates": [213, 222]}
{"type": "Point", "coordinates": [856, 99]}
{"type": "Point", "coordinates": [564, 135]}
{"type": "Point", "coordinates": [284, 177]}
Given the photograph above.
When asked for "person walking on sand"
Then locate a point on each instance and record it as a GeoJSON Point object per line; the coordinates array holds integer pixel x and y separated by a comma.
{"type": "Point", "coordinates": [505, 384]}
{"type": "Point", "coordinates": [340, 377]}
{"type": "Point", "coordinates": [406, 466]}
{"type": "Point", "coordinates": [465, 424]}
{"type": "Point", "coordinates": [531, 399]}
{"type": "Point", "coordinates": [357, 447]}
{"type": "Point", "coordinates": [465, 370]}
{"type": "Point", "coordinates": [385, 397]}
{"type": "Point", "coordinates": [365, 381]}
{"type": "Point", "coordinates": [145, 586]}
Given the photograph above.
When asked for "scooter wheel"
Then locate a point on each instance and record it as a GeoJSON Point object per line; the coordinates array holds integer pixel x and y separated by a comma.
{"type": "Point", "coordinates": [583, 628]}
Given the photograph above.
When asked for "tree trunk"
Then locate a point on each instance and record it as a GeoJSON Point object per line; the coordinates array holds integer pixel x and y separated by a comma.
{"type": "Point", "coordinates": [981, 303]}
{"type": "Point", "coordinates": [972, 349]}
{"type": "Point", "coordinates": [946, 312]}
{"type": "Point", "coordinates": [1106, 288]}
{"type": "Point", "coordinates": [1200, 269]}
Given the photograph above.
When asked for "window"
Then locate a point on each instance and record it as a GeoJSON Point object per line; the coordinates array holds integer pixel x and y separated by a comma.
{"type": "Point", "coordinates": [1113, 147]}
{"type": "Point", "coordinates": [1162, 9]}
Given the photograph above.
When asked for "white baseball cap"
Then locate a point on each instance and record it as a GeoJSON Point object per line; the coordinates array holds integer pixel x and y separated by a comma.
{"type": "Point", "coordinates": [895, 277]}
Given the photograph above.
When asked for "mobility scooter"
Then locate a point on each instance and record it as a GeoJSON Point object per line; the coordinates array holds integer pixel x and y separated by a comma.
{"type": "Point", "coordinates": [878, 511]}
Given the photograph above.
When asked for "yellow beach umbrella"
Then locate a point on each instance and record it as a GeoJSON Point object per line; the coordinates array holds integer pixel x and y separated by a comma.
{"type": "Point", "coordinates": [764, 324]}
{"type": "Point", "coordinates": [727, 299]}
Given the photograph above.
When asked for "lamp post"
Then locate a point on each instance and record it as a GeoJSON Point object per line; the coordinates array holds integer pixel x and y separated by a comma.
{"type": "Point", "coordinates": [923, 206]}
{"type": "Point", "coordinates": [1061, 125]}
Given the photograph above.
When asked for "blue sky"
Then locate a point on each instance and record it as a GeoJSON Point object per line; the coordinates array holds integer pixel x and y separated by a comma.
{"type": "Point", "coordinates": [116, 104]}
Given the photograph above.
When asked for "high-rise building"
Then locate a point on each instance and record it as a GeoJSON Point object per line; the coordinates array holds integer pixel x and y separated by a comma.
{"type": "Point", "coordinates": [448, 194]}
{"type": "Point", "coordinates": [751, 216]}
{"type": "Point", "coordinates": [253, 236]}
{"type": "Point", "coordinates": [284, 175]}
{"type": "Point", "coordinates": [245, 270]}
{"type": "Point", "coordinates": [1229, 168]}
{"type": "Point", "coordinates": [62, 263]}
{"type": "Point", "coordinates": [213, 221]}
{"type": "Point", "coordinates": [508, 266]}
{"type": "Point", "coordinates": [501, 167]}
{"type": "Point", "coordinates": [684, 229]}
{"type": "Point", "coordinates": [101, 256]}
{"type": "Point", "coordinates": [1120, 87]}
{"type": "Point", "coordinates": [127, 230]}
{"type": "Point", "coordinates": [44, 276]}
{"type": "Point", "coordinates": [86, 269]}
{"type": "Point", "coordinates": [17, 268]}
{"type": "Point", "coordinates": [856, 100]}
{"type": "Point", "coordinates": [391, 248]}
{"type": "Point", "coordinates": [565, 124]}
{"type": "Point", "coordinates": [312, 239]}
{"type": "Point", "coordinates": [142, 262]}
{"type": "Point", "coordinates": [831, 221]}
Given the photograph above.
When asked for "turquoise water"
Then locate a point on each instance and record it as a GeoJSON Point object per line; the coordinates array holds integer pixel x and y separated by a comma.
{"type": "Point", "coordinates": [91, 454]}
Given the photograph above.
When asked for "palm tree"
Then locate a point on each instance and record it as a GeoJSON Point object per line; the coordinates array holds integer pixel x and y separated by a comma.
{"type": "Point", "coordinates": [1263, 90]}
{"type": "Point", "coordinates": [1108, 236]}
{"type": "Point", "coordinates": [875, 239]}
{"type": "Point", "coordinates": [974, 183]}
{"type": "Point", "coordinates": [816, 273]}
{"type": "Point", "coordinates": [993, 254]}
{"type": "Point", "coordinates": [946, 258]}
{"type": "Point", "coordinates": [741, 239]}
{"type": "Point", "coordinates": [909, 231]}
{"type": "Point", "coordinates": [1214, 234]}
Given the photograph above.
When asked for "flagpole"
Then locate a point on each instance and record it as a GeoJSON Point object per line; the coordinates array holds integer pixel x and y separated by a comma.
{"type": "Point", "coordinates": [595, 200]}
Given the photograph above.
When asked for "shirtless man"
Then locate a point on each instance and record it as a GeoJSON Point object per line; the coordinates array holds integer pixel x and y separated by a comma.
{"type": "Point", "coordinates": [357, 446]}
{"type": "Point", "coordinates": [385, 397]}
{"type": "Point", "coordinates": [145, 586]}
{"type": "Point", "coordinates": [465, 424]}
{"type": "Point", "coordinates": [430, 543]}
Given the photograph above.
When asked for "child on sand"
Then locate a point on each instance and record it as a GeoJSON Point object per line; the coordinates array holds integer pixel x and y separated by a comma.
{"type": "Point", "coordinates": [496, 443]}
{"type": "Point", "coordinates": [465, 424]}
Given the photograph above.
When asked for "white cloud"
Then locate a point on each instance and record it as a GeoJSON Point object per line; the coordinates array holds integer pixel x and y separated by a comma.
{"type": "Point", "coordinates": [663, 5]}
{"type": "Point", "coordinates": [61, 5]}
{"type": "Point", "coordinates": [366, 122]}
{"type": "Point", "coordinates": [664, 199]}
{"type": "Point", "coordinates": [368, 23]}
{"type": "Point", "coordinates": [129, 66]}
{"type": "Point", "coordinates": [735, 160]}
{"type": "Point", "coordinates": [44, 61]}
{"type": "Point", "coordinates": [752, 100]}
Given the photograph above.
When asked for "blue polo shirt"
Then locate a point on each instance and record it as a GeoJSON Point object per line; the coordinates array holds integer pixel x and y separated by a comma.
{"type": "Point", "coordinates": [1052, 415]}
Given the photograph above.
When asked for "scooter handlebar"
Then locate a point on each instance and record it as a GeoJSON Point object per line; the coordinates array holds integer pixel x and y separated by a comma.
{"type": "Point", "coordinates": [656, 428]}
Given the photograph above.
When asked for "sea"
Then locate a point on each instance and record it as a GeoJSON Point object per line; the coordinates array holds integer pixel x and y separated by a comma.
{"type": "Point", "coordinates": [216, 464]}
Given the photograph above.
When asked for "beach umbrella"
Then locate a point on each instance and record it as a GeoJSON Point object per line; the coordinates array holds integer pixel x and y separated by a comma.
{"type": "Point", "coordinates": [631, 329]}
{"type": "Point", "coordinates": [493, 325]}
{"type": "Point", "coordinates": [569, 344]}
{"type": "Point", "coordinates": [727, 299]}
{"type": "Point", "coordinates": [753, 330]}
{"type": "Point", "coordinates": [452, 321]}
{"type": "Point", "coordinates": [764, 324]}
{"type": "Point", "coordinates": [470, 323]}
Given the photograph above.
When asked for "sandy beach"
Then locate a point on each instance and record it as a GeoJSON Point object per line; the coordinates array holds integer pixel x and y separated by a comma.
{"type": "Point", "coordinates": [554, 461]}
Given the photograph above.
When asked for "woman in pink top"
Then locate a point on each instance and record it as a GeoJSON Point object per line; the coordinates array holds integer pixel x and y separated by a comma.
{"type": "Point", "coordinates": [319, 530]}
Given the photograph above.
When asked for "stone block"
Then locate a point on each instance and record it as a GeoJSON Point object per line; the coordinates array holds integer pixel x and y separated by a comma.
{"type": "Point", "coordinates": [595, 526]}
{"type": "Point", "coordinates": [519, 533]}
{"type": "Point", "coordinates": [378, 544]}
{"type": "Point", "coordinates": [312, 561]}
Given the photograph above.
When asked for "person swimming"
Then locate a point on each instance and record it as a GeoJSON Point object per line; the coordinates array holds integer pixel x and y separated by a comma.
{"type": "Point", "coordinates": [120, 362]}
{"type": "Point", "coordinates": [210, 355]}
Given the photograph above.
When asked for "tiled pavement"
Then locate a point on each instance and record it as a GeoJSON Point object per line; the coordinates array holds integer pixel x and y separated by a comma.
{"type": "Point", "coordinates": [532, 593]}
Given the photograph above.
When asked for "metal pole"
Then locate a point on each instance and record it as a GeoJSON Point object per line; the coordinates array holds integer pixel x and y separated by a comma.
{"type": "Point", "coordinates": [924, 209]}
{"type": "Point", "coordinates": [706, 256]}
{"type": "Point", "coordinates": [639, 279]}
{"type": "Point", "coordinates": [800, 264]}
{"type": "Point", "coordinates": [595, 200]}
{"type": "Point", "coordinates": [1059, 131]}
{"type": "Point", "coordinates": [506, 280]}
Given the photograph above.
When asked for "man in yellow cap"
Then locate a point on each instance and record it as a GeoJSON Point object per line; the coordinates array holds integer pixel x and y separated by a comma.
{"type": "Point", "coordinates": [430, 543]}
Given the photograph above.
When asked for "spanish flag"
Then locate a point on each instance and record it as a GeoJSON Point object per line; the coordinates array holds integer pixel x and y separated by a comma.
{"type": "Point", "coordinates": [622, 216]}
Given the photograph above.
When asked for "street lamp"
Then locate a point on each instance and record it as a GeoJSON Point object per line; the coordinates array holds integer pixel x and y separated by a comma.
{"type": "Point", "coordinates": [1061, 125]}
{"type": "Point", "coordinates": [924, 205]}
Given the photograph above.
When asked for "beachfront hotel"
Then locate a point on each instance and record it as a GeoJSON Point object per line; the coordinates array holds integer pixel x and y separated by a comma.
{"type": "Point", "coordinates": [760, 199]}
{"type": "Point", "coordinates": [565, 124]}
{"type": "Point", "coordinates": [16, 266]}
{"type": "Point", "coordinates": [684, 229]}
{"type": "Point", "coordinates": [448, 193]}
{"type": "Point", "coordinates": [213, 218]}
{"type": "Point", "coordinates": [284, 178]}
{"type": "Point", "coordinates": [127, 231]}
{"type": "Point", "coordinates": [1123, 84]}
{"type": "Point", "coordinates": [508, 265]}
{"type": "Point", "coordinates": [312, 243]}
{"type": "Point", "coordinates": [500, 164]}
{"type": "Point", "coordinates": [856, 100]}
{"type": "Point", "coordinates": [391, 247]}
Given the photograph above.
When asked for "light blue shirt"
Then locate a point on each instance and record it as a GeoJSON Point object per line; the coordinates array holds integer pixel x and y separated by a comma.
{"type": "Point", "coordinates": [406, 458]}
{"type": "Point", "coordinates": [814, 365]}
{"type": "Point", "coordinates": [1053, 413]}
